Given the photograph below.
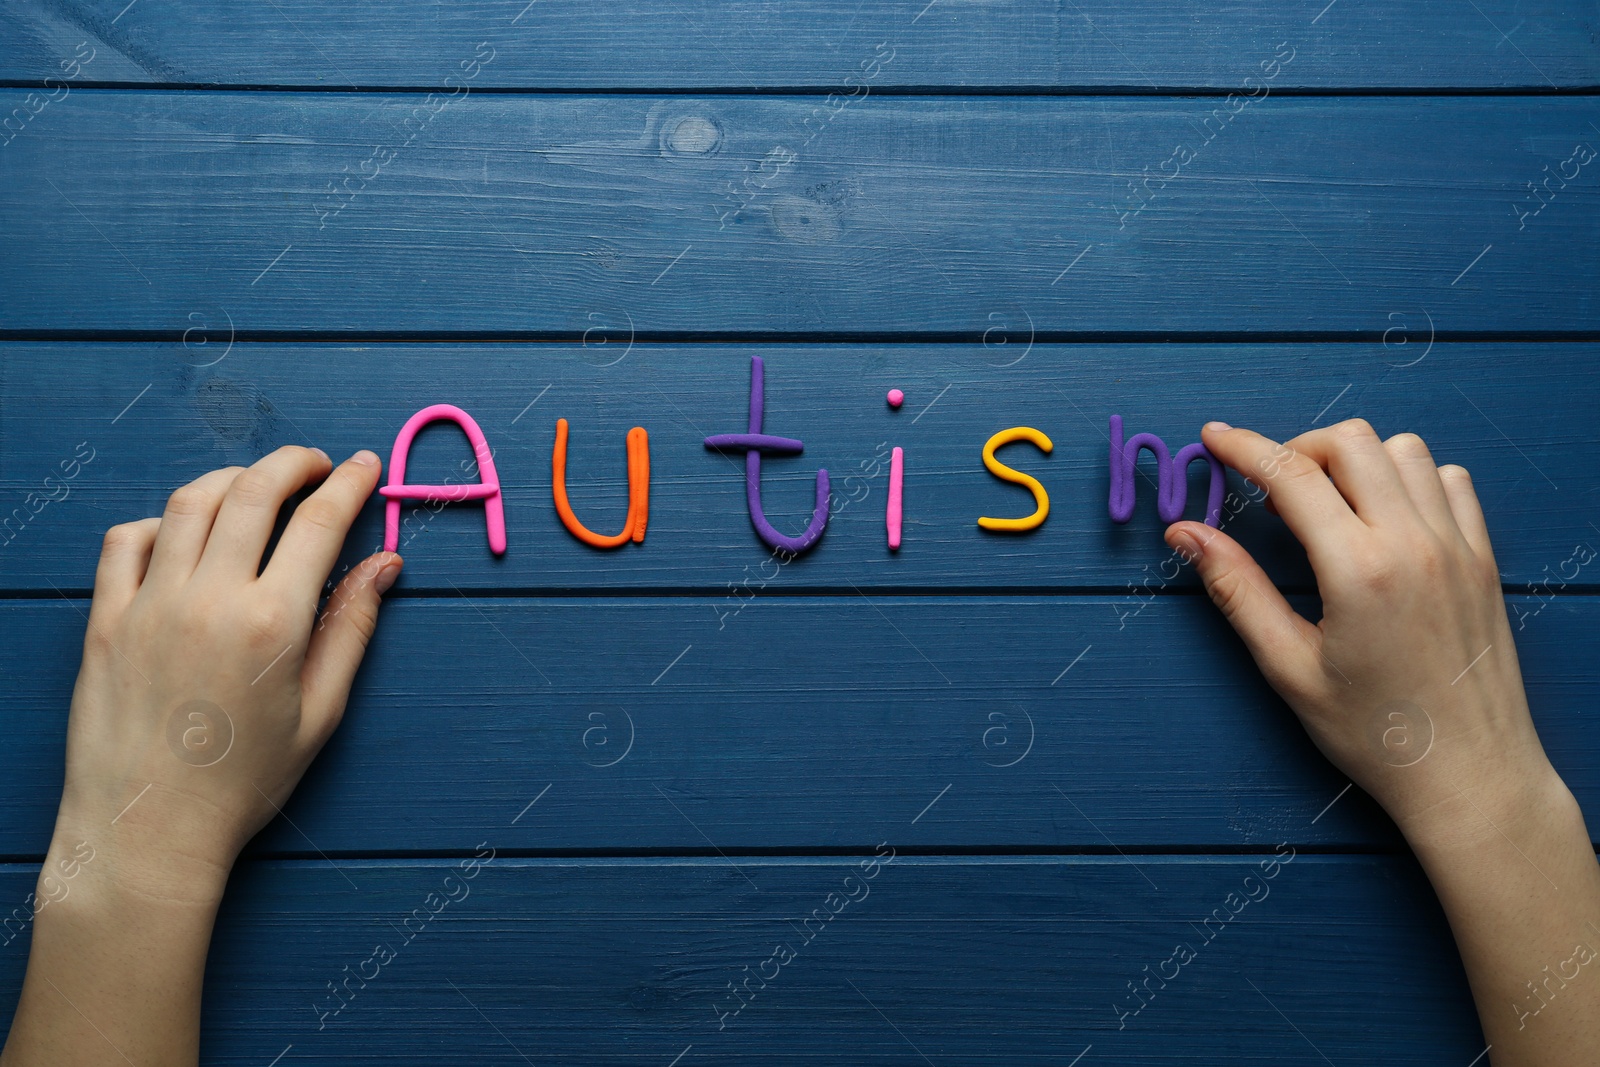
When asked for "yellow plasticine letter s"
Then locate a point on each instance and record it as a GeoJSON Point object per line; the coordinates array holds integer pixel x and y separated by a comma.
{"type": "Point", "coordinates": [1000, 470]}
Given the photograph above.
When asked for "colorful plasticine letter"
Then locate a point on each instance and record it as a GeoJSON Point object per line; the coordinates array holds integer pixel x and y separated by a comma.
{"type": "Point", "coordinates": [638, 490]}
{"type": "Point", "coordinates": [1172, 486]}
{"type": "Point", "coordinates": [1041, 499]}
{"type": "Point", "coordinates": [754, 443]}
{"type": "Point", "coordinates": [488, 490]}
{"type": "Point", "coordinates": [894, 511]}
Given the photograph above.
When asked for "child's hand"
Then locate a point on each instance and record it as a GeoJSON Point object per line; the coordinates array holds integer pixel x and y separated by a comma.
{"type": "Point", "coordinates": [207, 686]}
{"type": "Point", "coordinates": [1410, 683]}
{"type": "Point", "coordinates": [206, 689]}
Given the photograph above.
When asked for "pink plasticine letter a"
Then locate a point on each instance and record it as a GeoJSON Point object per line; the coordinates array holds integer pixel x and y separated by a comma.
{"type": "Point", "coordinates": [487, 490]}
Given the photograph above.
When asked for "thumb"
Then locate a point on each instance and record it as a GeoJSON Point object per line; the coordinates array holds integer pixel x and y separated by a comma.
{"type": "Point", "coordinates": [339, 641]}
{"type": "Point", "coordinates": [1285, 645]}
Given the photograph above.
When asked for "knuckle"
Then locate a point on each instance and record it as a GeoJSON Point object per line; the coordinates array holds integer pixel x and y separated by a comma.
{"type": "Point", "coordinates": [1299, 464]}
{"type": "Point", "coordinates": [321, 514]}
{"type": "Point", "coordinates": [1297, 467]}
{"type": "Point", "coordinates": [1354, 431]}
{"type": "Point", "coordinates": [190, 500]}
{"type": "Point", "coordinates": [351, 610]}
{"type": "Point", "coordinates": [265, 623]}
{"type": "Point", "coordinates": [190, 621]}
{"type": "Point", "coordinates": [254, 487]}
{"type": "Point", "coordinates": [1279, 454]}
{"type": "Point", "coordinates": [1431, 561]}
{"type": "Point", "coordinates": [1228, 592]}
{"type": "Point", "coordinates": [121, 537]}
{"type": "Point", "coordinates": [96, 642]}
{"type": "Point", "coordinates": [1408, 445]}
{"type": "Point", "coordinates": [1377, 573]}
{"type": "Point", "coordinates": [363, 616]}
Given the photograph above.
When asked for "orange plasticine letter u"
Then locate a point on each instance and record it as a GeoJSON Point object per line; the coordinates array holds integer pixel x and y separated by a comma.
{"type": "Point", "coordinates": [638, 490]}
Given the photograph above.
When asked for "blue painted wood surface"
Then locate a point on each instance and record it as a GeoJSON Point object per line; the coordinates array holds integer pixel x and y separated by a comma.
{"type": "Point", "coordinates": [692, 44]}
{"type": "Point", "coordinates": [1003, 960]}
{"type": "Point", "coordinates": [554, 214]}
{"type": "Point", "coordinates": [218, 240]}
{"type": "Point", "coordinates": [1055, 723]}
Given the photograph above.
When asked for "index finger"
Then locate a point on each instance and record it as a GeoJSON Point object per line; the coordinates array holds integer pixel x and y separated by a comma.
{"type": "Point", "coordinates": [311, 541]}
{"type": "Point", "coordinates": [1307, 501]}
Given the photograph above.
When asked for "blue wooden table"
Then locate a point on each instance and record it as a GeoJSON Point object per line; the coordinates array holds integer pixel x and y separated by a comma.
{"type": "Point", "coordinates": [1009, 799]}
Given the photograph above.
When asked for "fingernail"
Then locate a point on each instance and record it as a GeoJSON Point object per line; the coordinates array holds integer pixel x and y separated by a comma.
{"type": "Point", "coordinates": [1184, 543]}
{"type": "Point", "coordinates": [386, 577]}
{"type": "Point", "coordinates": [1218, 426]}
{"type": "Point", "coordinates": [320, 452]}
{"type": "Point", "coordinates": [366, 458]}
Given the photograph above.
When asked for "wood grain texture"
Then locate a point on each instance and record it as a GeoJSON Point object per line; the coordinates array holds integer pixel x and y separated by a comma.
{"type": "Point", "coordinates": [756, 43]}
{"type": "Point", "coordinates": [320, 214]}
{"type": "Point", "coordinates": [804, 723]}
{"type": "Point", "coordinates": [974, 960]}
{"type": "Point", "coordinates": [154, 417]}
{"type": "Point", "coordinates": [614, 208]}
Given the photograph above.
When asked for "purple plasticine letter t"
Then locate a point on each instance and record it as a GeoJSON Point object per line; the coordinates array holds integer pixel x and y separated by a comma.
{"type": "Point", "coordinates": [754, 443]}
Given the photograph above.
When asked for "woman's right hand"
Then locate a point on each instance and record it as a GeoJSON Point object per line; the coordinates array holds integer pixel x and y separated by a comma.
{"type": "Point", "coordinates": [1410, 682]}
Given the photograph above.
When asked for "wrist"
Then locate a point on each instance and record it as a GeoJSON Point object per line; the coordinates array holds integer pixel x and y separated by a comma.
{"type": "Point", "coordinates": [1463, 815]}
{"type": "Point", "coordinates": [105, 893]}
{"type": "Point", "coordinates": [125, 935]}
{"type": "Point", "coordinates": [153, 852]}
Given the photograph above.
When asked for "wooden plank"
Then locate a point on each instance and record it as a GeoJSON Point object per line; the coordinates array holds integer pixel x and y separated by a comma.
{"type": "Point", "coordinates": [152, 419]}
{"type": "Point", "coordinates": [318, 214]}
{"type": "Point", "coordinates": [802, 723]}
{"type": "Point", "coordinates": [703, 43]}
{"type": "Point", "coordinates": [975, 960]}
